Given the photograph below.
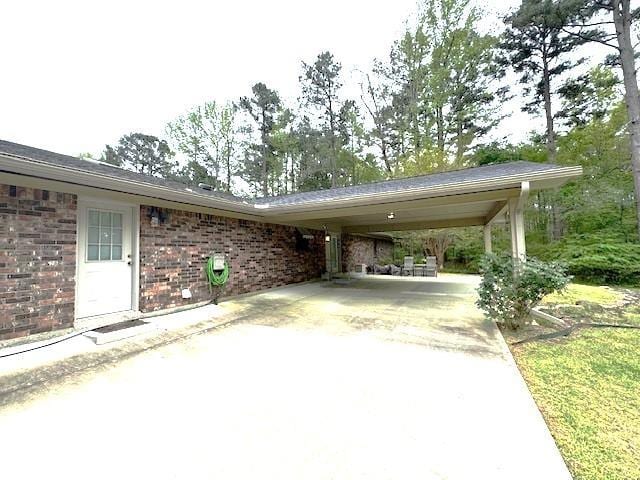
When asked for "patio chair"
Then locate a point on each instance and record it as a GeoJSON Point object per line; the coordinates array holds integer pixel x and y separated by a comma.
{"type": "Point", "coordinates": [431, 267]}
{"type": "Point", "coordinates": [408, 265]}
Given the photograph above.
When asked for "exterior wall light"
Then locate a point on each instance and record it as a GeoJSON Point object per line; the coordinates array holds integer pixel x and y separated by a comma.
{"type": "Point", "coordinates": [327, 238]}
{"type": "Point", "coordinates": [391, 216]}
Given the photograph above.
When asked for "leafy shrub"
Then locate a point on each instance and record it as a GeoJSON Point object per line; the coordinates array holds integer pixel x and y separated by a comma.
{"type": "Point", "coordinates": [609, 263]}
{"type": "Point", "coordinates": [509, 290]}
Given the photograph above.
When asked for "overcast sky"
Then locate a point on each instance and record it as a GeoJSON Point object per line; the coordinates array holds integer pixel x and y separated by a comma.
{"type": "Point", "coordinates": [79, 74]}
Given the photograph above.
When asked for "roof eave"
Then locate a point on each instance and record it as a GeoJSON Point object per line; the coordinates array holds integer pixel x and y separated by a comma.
{"type": "Point", "coordinates": [536, 179]}
{"type": "Point", "coordinates": [35, 168]}
{"type": "Point", "coordinates": [27, 166]}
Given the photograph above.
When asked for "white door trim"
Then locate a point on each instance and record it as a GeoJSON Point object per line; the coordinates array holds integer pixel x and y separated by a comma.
{"type": "Point", "coordinates": [98, 202]}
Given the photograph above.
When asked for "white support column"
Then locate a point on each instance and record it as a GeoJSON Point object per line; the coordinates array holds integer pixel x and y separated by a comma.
{"type": "Point", "coordinates": [487, 238]}
{"type": "Point", "coordinates": [516, 220]}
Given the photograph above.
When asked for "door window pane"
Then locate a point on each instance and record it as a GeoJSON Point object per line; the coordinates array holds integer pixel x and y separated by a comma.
{"type": "Point", "coordinates": [105, 252]}
{"type": "Point", "coordinates": [94, 218]}
{"type": "Point", "coordinates": [105, 219]}
{"type": "Point", "coordinates": [94, 234]}
{"type": "Point", "coordinates": [104, 236]}
{"type": "Point", "coordinates": [116, 252]}
{"type": "Point", "coordinates": [92, 252]}
{"type": "Point", "coordinates": [116, 236]}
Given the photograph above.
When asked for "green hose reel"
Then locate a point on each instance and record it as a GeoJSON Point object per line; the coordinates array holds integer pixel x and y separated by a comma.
{"type": "Point", "coordinates": [217, 277]}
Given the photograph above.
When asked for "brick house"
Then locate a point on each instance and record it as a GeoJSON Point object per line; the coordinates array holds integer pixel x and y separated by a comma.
{"type": "Point", "coordinates": [82, 242]}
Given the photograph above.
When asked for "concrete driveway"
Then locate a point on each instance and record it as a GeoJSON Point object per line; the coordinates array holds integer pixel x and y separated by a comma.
{"type": "Point", "coordinates": [381, 378]}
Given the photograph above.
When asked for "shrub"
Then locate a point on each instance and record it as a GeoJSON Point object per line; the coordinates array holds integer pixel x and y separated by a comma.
{"type": "Point", "coordinates": [609, 263]}
{"type": "Point", "coordinates": [509, 290]}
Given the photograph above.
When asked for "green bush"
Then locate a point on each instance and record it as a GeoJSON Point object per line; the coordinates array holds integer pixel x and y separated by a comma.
{"type": "Point", "coordinates": [509, 290]}
{"type": "Point", "coordinates": [605, 261]}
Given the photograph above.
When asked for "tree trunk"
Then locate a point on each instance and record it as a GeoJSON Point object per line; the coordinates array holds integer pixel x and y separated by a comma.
{"type": "Point", "coordinates": [228, 166]}
{"type": "Point", "coordinates": [265, 150]}
{"type": "Point", "coordinates": [440, 129]}
{"type": "Point", "coordinates": [385, 156]}
{"type": "Point", "coordinates": [459, 143]}
{"type": "Point", "coordinates": [556, 220]}
{"type": "Point", "coordinates": [293, 173]}
{"type": "Point", "coordinates": [334, 153]}
{"type": "Point", "coordinates": [622, 20]}
{"type": "Point", "coordinates": [551, 139]}
{"type": "Point", "coordinates": [265, 180]}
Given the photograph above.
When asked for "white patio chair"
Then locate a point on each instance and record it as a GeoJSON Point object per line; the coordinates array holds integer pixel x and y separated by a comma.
{"type": "Point", "coordinates": [408, 265]}
{"type": "Point", "coordinates": [431, 266]}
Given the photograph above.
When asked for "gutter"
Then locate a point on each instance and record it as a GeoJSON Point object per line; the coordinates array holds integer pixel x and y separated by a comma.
{"type": "Point", "coordinates": [35, 168]}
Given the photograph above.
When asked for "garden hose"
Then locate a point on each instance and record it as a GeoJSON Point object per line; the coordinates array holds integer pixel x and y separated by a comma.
{"type": "Point", "coordinates": [216, 279]}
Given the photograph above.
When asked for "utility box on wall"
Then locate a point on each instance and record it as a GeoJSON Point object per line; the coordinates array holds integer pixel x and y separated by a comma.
{"type": "Point", "coordinates": [218, 261]}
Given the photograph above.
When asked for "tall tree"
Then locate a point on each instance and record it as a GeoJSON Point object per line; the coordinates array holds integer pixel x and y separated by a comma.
{"type": "Point", "coordinates": [321, 85]}
{"type": "Point", "coordinates": [589, 96]}
{"type": "Point", "coordinates": [286, 149]}
{"type": "Point", "coordinates": [263, 108]}
{"type": "Point", "coordinates": [357, 167]}
{"type": "Point", "coordinates": [537, 46]}
{"type": "Point", "coordinates": [312, 171]}
{"type": "Point", "coordinates": [141, 153]}
{"type": "Point", "coordinates": [590, 26]}
{"type": "Point", "coordinates": [408, 71]}
{"type": "Point", "coordinates": [206, 135]}
{"type": "Point", "coordinates": [376, 98]}
{"type": "Point", "coordinates": [445, 86]}
{"type": "Point", "coordinates": [475, 93]}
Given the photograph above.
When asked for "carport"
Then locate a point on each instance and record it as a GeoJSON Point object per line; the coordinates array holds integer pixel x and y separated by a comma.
{"type": "Point", "coordinates": [481, 196]}
{"type": "Point", "coordinates": [148, 237]}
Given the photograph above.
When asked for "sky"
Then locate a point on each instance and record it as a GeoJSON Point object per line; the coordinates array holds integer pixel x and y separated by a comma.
{"type": "Point", "coordinates": [79, 74]}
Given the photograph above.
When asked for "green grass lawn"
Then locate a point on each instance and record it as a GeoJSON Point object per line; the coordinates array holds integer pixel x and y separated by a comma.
{"type": "Point", "coordinates": [588, 389]}
{"type": "Point", "coordinates": [577, 291]}
{"type": "Point", "coordinates": [588, 303]}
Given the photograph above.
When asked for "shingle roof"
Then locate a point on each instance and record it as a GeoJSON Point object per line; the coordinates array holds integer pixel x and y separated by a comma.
{"type": "Point", "coordinates": [452, 177]}
{"type": "Point", "coordinates": [487, 172]}
{"type": "Point", "coordinates": [68, 161]}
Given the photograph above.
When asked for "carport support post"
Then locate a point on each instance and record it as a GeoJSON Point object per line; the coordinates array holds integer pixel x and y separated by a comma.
{"type": "Point", "coordinates": [516, 219]}
{"type": "Point", "coordinates": [487, 238]}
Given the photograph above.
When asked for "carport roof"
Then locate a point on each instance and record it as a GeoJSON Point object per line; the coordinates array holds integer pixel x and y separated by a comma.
{"type": "Point", "coordinates": [467, 196]}
{"type": "Point", "coordinates": [452, 177]}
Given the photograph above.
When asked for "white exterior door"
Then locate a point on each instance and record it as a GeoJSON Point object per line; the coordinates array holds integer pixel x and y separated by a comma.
{"type": "Point", "coordinates": [105, 271]}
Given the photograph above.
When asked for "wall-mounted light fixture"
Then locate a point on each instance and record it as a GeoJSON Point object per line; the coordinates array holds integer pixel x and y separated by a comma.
{"type": "Point", "coordinates": [391, 215]}
{"type": "Point", "coordinates": [157, 216]}
{"type": "Point", "coordinates": [327, 237]}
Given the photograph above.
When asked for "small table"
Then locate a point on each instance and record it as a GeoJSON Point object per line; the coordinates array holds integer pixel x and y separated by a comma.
{"type": "Point", "coordinates": [419, 266]}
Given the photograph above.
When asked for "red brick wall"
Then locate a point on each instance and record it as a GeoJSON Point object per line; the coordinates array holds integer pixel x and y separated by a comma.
{"type": "Point", "coordinates": [173, 255]}
{"type": "Point", "coordinates": [359, 250]}
{"type": "Point", "coordinates": [37, 260]}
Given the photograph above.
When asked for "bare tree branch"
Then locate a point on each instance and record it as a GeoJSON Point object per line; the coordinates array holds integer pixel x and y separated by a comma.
{"type": "Point", "coordinates": [590, 39]}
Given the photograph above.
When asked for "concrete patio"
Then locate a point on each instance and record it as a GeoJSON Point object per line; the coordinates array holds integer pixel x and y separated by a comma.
{"type": "Point", "coordinates": [379, 378]}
